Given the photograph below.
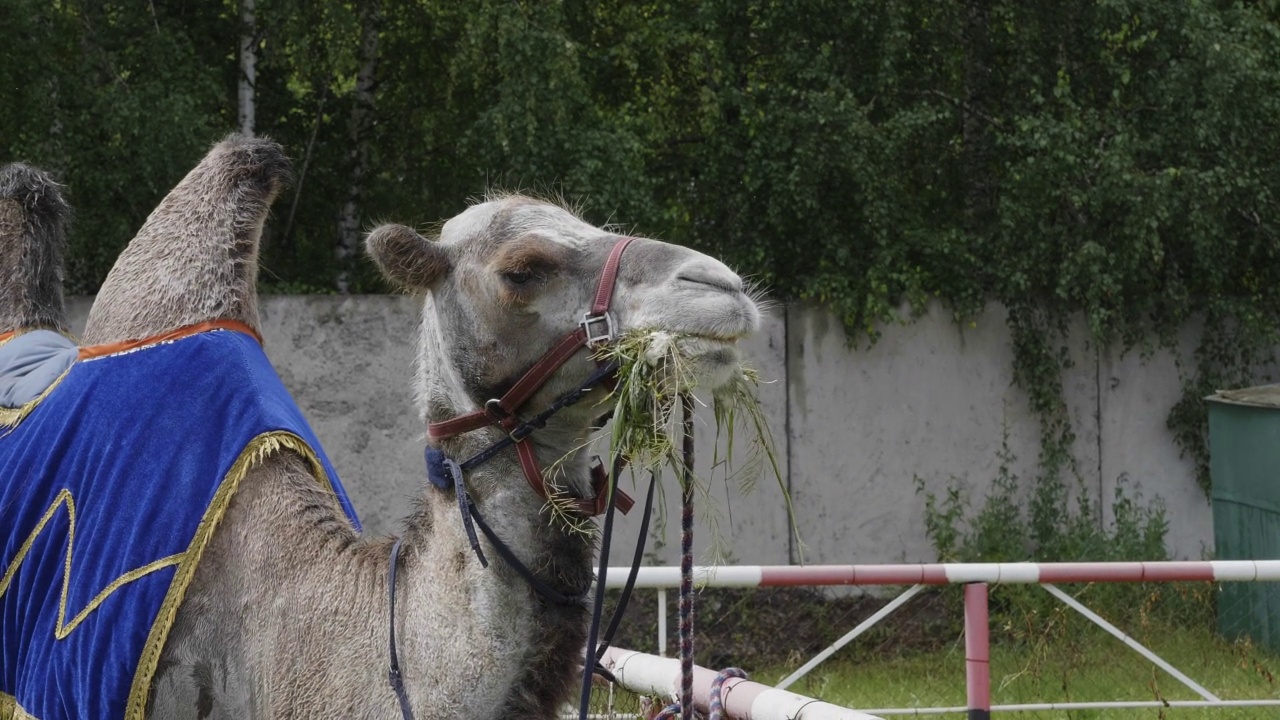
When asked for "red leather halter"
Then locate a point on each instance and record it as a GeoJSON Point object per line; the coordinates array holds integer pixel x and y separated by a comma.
{"type": "Point", "coordinates": [594, 330]}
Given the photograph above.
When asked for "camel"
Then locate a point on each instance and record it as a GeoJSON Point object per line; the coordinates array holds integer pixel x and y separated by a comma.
{"type": "Point", "coordinates": [33, 240]}
{"type": "Point", "coordinates": [287, 614]}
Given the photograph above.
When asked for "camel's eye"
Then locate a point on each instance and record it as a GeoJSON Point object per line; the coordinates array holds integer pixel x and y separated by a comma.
{"type": "Point", "coordinates": [518, 277]}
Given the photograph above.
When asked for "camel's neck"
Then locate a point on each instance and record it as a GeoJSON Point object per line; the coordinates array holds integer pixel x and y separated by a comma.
{"type": "Point", "coordinates": [474, 643]}
{"type": "Point", "coordinates": [510, 651]}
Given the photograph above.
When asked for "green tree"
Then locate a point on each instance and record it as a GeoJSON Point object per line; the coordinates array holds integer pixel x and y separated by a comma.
{"type": "Point", "coordinates": [1112, 158]}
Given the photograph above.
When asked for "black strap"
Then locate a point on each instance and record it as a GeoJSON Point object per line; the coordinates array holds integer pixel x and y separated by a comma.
{"type": "Point", "coordinates": [437, 461]}
{"type": "Point", "coordinates": [606, 535]}
{"type": "Point", "coordinates": [447, 475]}
{"type": "Point", "coordinates": [504, 552]}
{"type": "Point", "coordinates": [464, 504]}
{"type": "Point", "coordinates": [625, 596]}
{"type": "Point", "coordinates": [393, 672]}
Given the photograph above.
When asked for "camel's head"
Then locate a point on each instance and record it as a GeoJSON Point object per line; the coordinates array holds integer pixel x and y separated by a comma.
{"type": "Point", "coordinates": [509, 277]}
{"type": "Point", "coordinates": [33, 219]}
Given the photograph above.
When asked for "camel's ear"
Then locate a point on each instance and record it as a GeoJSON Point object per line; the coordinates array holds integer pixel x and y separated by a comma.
{"type": "Point", "coordinates": [406, 258]}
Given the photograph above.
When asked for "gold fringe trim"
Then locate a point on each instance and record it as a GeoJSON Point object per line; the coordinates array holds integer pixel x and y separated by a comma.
{"type": "Point", "coordinates": [254, 454]}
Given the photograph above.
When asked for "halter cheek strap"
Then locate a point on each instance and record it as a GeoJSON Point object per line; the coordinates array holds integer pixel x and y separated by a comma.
{"type": "Point", "coordinates": [594, 330]}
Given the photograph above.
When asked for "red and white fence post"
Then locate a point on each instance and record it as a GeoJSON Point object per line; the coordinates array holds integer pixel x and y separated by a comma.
{"type": "Point", "coordinates": [977, 651]}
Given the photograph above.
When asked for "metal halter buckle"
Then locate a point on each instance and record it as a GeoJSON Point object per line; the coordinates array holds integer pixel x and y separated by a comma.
{"type": "Point", "coordinates": [590, 321]}
{"type": "Point", "coordinates": [493, 408]}
{"type": "Point", "coordinates": [513, 425]}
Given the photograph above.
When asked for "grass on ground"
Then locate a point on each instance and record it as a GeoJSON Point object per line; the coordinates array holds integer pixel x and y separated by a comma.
{"type": "Point", "coordinates": [1088, 666]}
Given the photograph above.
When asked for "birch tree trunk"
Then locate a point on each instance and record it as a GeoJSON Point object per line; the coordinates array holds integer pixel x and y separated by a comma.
{"type": "Point", "coordinates": [248, 63]}
{"type": "Point", "coordinates": [975, 115]}
{"type": "Point", "coordinates": [358, 136]}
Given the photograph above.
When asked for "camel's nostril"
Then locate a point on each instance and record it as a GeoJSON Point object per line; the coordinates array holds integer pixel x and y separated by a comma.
{"type": "Point", "coordinates": [728, 283]}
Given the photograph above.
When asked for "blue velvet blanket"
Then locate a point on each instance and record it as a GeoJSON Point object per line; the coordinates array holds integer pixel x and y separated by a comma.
{"type": "Point", "coordinates": [110, 488]}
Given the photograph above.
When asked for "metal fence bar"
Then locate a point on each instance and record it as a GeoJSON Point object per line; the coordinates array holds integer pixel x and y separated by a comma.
{"type": "Point", "coordinates": [662, 622]}
{"type": "Point", "coordinates": [887, 711]}
{"type": "Point", "coordinates": [1126, 704]}
{"type": "Point", "coordinates": [862, 627]}
{"type": "Point", "coordinates": [953, 573]}
{"type": "Point", "coordinates": [1134, 644]}
{"type": "Point", "coordinates": [1101, 705]}
{"type": "Point", "coordinates": [976, 577]}
{"type": "Point", "coordinates": [1049, 707]}
{"type": "Point", "coordinates": [651, 675]}
{"type": "Point", "coordinates": [977, 651]}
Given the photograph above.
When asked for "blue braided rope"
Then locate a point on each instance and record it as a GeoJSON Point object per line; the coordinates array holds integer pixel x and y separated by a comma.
{"type": "Point", "coordinates": [716, 702]}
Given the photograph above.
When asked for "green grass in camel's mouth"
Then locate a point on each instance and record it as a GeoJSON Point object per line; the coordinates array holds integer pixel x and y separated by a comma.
{"type": "Point", "coordinates": [655, 369]}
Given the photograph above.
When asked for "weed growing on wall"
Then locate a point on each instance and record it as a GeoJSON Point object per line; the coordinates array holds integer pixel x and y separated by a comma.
{"type": "Point", "coordinates": [1047, 520]}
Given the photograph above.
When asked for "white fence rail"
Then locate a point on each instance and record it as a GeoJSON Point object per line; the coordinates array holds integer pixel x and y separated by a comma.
{"type": "Point", "coordinates": [976, 578]}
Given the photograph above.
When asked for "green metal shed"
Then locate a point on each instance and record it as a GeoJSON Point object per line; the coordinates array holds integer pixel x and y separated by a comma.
{"type": "Point", "coordinates": [1244, 462]}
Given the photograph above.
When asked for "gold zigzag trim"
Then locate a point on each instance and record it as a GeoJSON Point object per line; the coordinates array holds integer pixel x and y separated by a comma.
{"type": "Point", "coordinates": [62, 628]}
{"type": "Point", "coordinates": [254, 454]}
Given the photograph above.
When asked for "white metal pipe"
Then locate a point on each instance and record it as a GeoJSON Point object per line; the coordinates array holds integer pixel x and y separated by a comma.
{"type": "Point", "coordinates": [953, 573]}
{"type": "Point", "coordinates": [922, 711]}
{"type": "Point", "coordinates": [1123, 704]}
{"type": "Point", "coordinates": [862, 627]}
{"type": "Point", "coordinates": [1101, 705]}
{"type": "Point", "coordinates": [1134, 644]}
{"type": "Point", "coordinates": [745, 700]}
{"type": "Point", "coordinates": [1243, 570]}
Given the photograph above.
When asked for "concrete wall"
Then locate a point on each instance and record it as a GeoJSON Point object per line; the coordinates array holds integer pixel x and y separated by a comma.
{"type": "Point", "coordinates": [855, 428]}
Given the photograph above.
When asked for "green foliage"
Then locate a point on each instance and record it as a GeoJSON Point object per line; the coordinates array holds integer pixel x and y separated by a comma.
{"type": "Point", "coordinates": [1112, 160]}
{"type": "Point", "coordinates": [1056, 526]}
{"type": "Point", "coordinates": [1060, 524]}
{"type": "Point", "coordinates": [119, 103]}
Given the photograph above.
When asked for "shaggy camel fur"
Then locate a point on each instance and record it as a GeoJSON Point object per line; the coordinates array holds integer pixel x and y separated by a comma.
{"type": "Point", "coordinates": [33, 241]}
{"type": "Point", "coordinates": [287, 613]}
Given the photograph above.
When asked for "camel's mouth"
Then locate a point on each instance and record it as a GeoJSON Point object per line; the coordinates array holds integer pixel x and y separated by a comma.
{"type": "Point", "coordinates": [701, 360]}
{"type": "Point", "coordinates": [715, 360]}
{"type": "Point", "coordinates": [717, 337]}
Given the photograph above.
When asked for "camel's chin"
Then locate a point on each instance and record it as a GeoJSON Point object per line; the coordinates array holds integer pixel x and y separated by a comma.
{"type": "Point", "coordinates": [716, 362]}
